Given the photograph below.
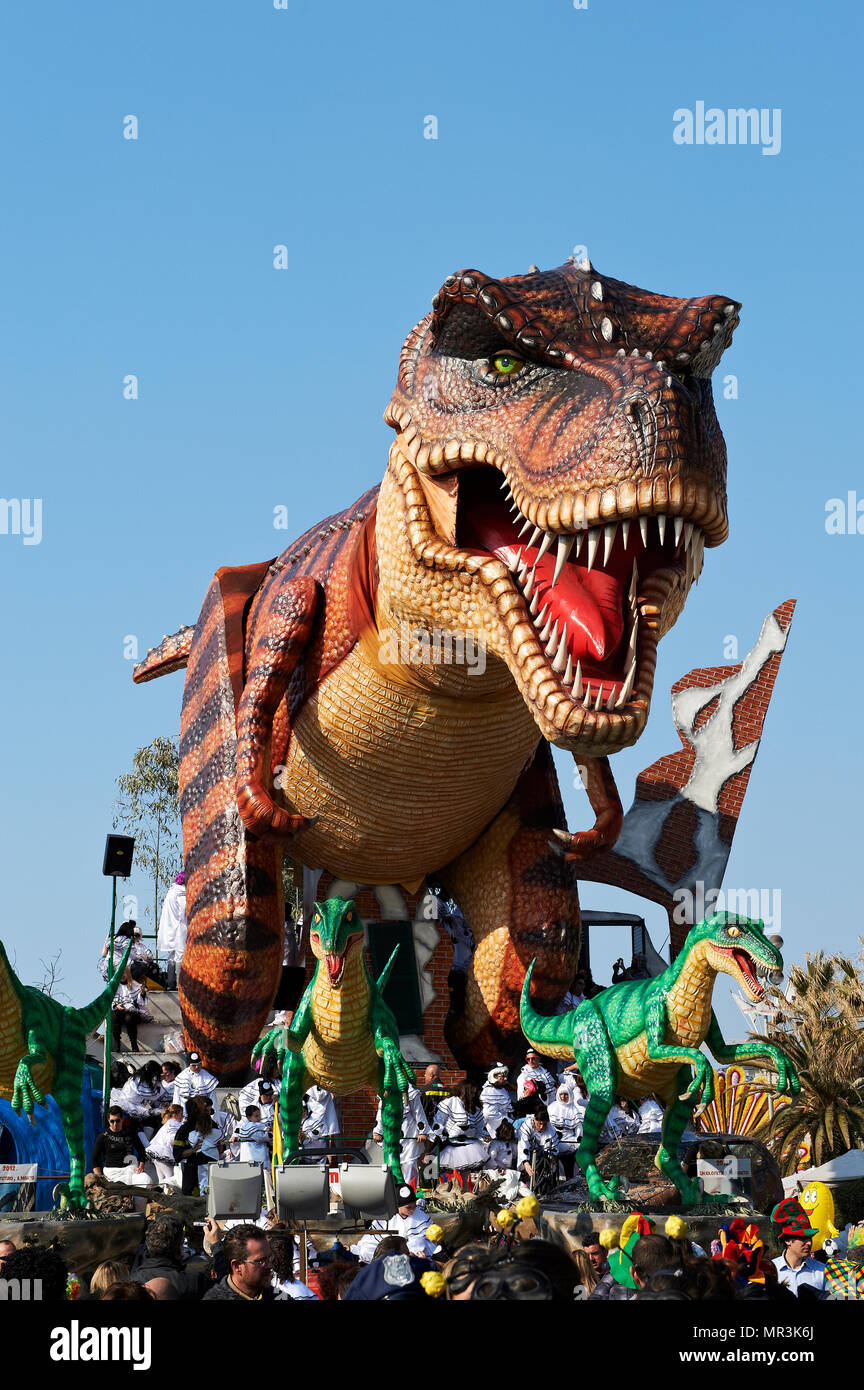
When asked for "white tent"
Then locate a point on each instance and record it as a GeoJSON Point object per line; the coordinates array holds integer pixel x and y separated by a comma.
{"type": "Point", "coordinates": [843, 1169]}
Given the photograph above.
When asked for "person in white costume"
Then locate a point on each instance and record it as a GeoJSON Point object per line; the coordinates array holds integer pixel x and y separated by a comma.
{"type": "Point", "coordinates": [410, 1222]}
{"type": "Point", "coordinates": [621, 1121]}
{"type": "Point", "coordinates": [460, 1118]}
{"type": "Point", "coordinates": [141, 1098]}
{"type": "Point", "coordinates": [193, 1081]}
{"type": "Point", "coordinates": [254, 1136]}
{"type": "Point", "coordinates": [567, 1120]}
{"type": "Point", "coordinates": [160, 1150]}
{"type": "Point", "coordinates": [495, 1097]}
{"type": "Point", "coordinates": [171, 936]}
{"type": "Point", "coordinates": [650, 1116]}
{"type": "Point", "coordinates": [534, 1071]}
{"type": "Point", "coordinates": [538, 1151]}
{"type": "Point", "coordinates": [414, 1133]}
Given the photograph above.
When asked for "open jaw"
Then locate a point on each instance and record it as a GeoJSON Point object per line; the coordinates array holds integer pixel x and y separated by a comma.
{"type": "Point", "coordinates": [335, 961]}
{"type": "Point", "coordinates": [745, 971]}
{"type": "Point", "coordinates": [584, 607]}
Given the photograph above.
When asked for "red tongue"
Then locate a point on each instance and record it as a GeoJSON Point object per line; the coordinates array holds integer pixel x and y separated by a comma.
{"type": "Point", "coordinates": [590, 603]}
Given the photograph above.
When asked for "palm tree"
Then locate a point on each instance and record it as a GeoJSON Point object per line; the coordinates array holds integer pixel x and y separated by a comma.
{"type": "Point", "coordinates": [819, 1024]}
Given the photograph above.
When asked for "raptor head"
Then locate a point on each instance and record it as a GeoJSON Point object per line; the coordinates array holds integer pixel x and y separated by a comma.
{"type": "Point", "coordinates": [559, 468]}
{"type": "Point", "coordinates": [335, 931]}
{"type": "Point", "coordinates": [738, 947]}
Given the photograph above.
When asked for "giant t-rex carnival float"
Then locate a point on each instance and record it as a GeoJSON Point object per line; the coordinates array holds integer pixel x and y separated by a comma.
{"type": "Point", "coordinates": [557, 471]}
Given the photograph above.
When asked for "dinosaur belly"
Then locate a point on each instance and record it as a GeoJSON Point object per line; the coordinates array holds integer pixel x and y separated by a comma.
{"type": "Point", "coordinates": [401, 778]}
{"type": "Point", "coordinates": [639, 1075]}
{"type": "Point", "coordinates": [339, 1050]}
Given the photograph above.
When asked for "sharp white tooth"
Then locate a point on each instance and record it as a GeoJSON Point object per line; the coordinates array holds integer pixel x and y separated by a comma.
{"type": "Point", "coordinates": [568, 674]}
{"type": "Point", "coordinates": [580, 541]}
{"type": "Point", "coordinates": [522, 571]}
{"type": "Point", "coordinates": [634, 633]}
{"type": "Point", "coordinates": [625, 533]}
{"type": "Point", "coordinates": [552, 645]}
{"type": "Point", "coordinates": [560, 662]}
{"type": "Point", "coordinates": [514, 508]}
{"type": "Point", "coordinates": [535, 536]}
{"type": "Point", "coordinates": [577, 683]}
{"type": "Point", "coordinates": [598, 703]}
{"type": "Point", "coordinates": [610, 703]}
{"type": "Point", "coordinates": [586, 703]}
{"type": "Point", "coordinates": [679, 524]}
{"type": "Point", "coordinates": [548, 628]}
{"type": "Point", "coordinates": [565, 545]}
{"type": "Point", "coordinates": [593, 542]}
{"type": "Point", "coordinates": [661, 527]}
{"type": "Point", "coordinates": [688, 534]}
{"type": "Point", "coordinates": [643, 527]}
{"type": "Point", "coordinates": [627, 687]}
{"type": "Point", "coordinates": [526, 527]}
{"type": "Point", "coordinates": [661, 366]}
{"type": "Point", "coordinates": [650, 356]}
{"type": "Point", "coordinates": [547, 542]}
{"type": "Point", "coordinates": [668, 382]}
{"type": "Point", "coordinates": [535, 604]}
{"type": "Point", "coordinates": [529, 586]}
{"type": "Point", "coordinates": [609, 531]}
{"type": "Point", "coordinates": [505, 486]}
{"type": "Point", "coordinates": [634, 585]}
{"type": "Point", "coordinates": [622, 352]}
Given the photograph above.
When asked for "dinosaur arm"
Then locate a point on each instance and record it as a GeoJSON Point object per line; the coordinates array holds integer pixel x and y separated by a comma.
{"type": "Point", "coordinates": [277, 1041]}
{"type": "Point", "coordinates": [787, 1078]}
{"type": "Point", "coordinates": [599, 783]}
{"type": "Point", "coordinates": [655, 1028]}
{"type": "Point", "coordinates": [25, 1092]}
{"type": "Point", "coordinates": [280, 634]}
{"type": "Point", "coordinates": [398, 1076]}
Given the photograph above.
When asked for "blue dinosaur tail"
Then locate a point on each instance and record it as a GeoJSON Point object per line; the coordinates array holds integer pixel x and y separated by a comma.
{"type": "Point", "coordinates": [546, 1034]}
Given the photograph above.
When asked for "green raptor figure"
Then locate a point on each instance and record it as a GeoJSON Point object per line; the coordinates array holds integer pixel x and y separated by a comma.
{"type": "Point", "coordinates": [42, 1046]}
{"type": "Point", "coordinates": [343, 1035]}
{"type": "Point", "coordinates": [643, 1037]}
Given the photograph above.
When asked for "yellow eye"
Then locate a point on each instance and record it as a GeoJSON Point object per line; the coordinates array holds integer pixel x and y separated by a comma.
{"type": "Point", "coordinates": [507, 365]}
{"type": "Point", "coordinates": [734, 931]}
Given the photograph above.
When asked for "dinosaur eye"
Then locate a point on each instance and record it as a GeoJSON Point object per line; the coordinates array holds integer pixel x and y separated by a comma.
{"type": "Point", "coordinates": [505, 364]}
{"type": "Point", "coordinates": [734, 931]}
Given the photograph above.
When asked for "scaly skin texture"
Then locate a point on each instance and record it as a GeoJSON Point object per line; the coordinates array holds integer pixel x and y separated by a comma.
{"type": "Point", "coordinates": [42, 1046]}
{"type": "Point", "coordinates": [643, 1037]}
{"type": "Point", "coordinates": [557, 470]}
{"type": "Point", "coordinates": [343, 1036]}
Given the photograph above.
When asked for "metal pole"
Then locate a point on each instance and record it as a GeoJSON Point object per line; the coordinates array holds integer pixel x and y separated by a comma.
{"type": "Point", "coordinates": [106, 1056]}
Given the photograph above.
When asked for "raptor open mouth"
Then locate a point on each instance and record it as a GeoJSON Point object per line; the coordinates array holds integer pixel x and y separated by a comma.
{"type": "Point", "coordinates": [581, 589]}
{"type": "Point", "coordinates": [335, 968]}
{"type": "Point", "coordinates": [745, 964]}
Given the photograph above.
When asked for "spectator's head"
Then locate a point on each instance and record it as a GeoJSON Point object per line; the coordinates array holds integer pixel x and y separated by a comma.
{"type": "Point", "coordinates": [162, 1290]}
{"type": "Point", "coordinates": [6, 1249]}
{"type": "Point", "coordinates": [104, 1275]}
{"type": "Point", "coordinates": [432, 1074]}
{"type": "Point", "coordinates": [505, 1130]}
{"type": "Point", "coordinates": [531, 1058]}
{"type": "Point", "coordinates": [391, 1245]}
{"type": "Point", "coordinates": [336, 1278]}
{"type": "Point", "coordinates": [536, 1271]}
{"type": "Point", "coordinates": [170, 1072]}
{"type": "Point", "coordinates": [127, 1291]}
{"type": "Point", "coordinates": [265, 1092]}
{"type": "Point", "coordinates": [586, 1275]}
{"type": "Point", "coordinates": [136, 932]}
{"type": "Point", "coordinates": [195, 1062]}
{"type": "Point", "coordinates": [247, 1254]}
{"type": "Point", "coordinates": [124, 930]}
{"type": "Point", "coordinates": [596, 1254]}
{"type": "Point", "coordinates": [282, 1252]}
{"type": "Point", "coordinates": [116, 1119]}
{"type": "Point", "coordinates": [563, 1093]}
{"type": "Point", "coordinates": [498, 1075]}
{"type": "Point", "coordinates": [407, 1199]}
{"type": "Point", "coordinates": [651, 1254]}
{"type": "Point", "coordinates": [149, 1075]}
{"type": "Point", "coordinates": [163, 1238]}
{"type": "Point", "coordinates": [469, 1095]}
{"type": "Point", "coordinates": [39, 1262]}
{"type": "Point", "coordinates": [172, 1112]}
{"type": "Point", "coordinates": [541, 1117]}
{"type": "Point", "coordinates": [253, 1113]}
{"type": "Point", "coordinates": [708, 1280]}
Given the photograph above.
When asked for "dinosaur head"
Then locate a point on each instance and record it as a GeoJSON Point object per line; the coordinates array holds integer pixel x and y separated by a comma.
{"type": "Point", "coordinates": [334, 932]}
{"type": "Point", "coordinates": [738, 947]}
{"type": "Point", "coordinates": [559, 466]}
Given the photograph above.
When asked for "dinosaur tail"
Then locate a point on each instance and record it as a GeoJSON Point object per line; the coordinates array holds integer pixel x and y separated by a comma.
{"type": "Point", "coordinates": [92, 1014]}
{"type": "Point", "coordinates": [544, 1033]}
{"type": "Point", "coordinates": [234, 901]}
{"type": "Point", "coordinates": [385, 973]}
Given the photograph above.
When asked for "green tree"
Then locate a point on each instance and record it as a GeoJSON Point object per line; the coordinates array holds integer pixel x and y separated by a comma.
{"type": "Point", "coordinates": [147, 807]}
{"type": "Point", "coordinates": [819, 1024]}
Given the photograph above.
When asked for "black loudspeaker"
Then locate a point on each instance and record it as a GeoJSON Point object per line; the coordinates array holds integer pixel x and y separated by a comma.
{"type": "Point", "coordinates": [118, 856]}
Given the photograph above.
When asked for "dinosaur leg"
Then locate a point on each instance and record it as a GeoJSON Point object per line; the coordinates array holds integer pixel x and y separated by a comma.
{"type": "Point", "coordinates": [520, 900]}
{"type": "Point", "coordinates": [234, 906]}
{"type": "Point", "coordinates": [675, 1122]}
{"type": "Point", "coordinates": [598, 1066]}
{"type": "Point", "coordinates": [294, 1077]}
{"type": "Point", "coordinates": [602, 792]}
{"type": "Point", "coordinates": [391, 1122]}
{"type": "Point", "coordinates": [67, 1093]}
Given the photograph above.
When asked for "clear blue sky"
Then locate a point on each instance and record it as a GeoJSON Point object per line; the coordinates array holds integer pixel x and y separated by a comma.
{"type": "Point", "coordinates": [304, 127]}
